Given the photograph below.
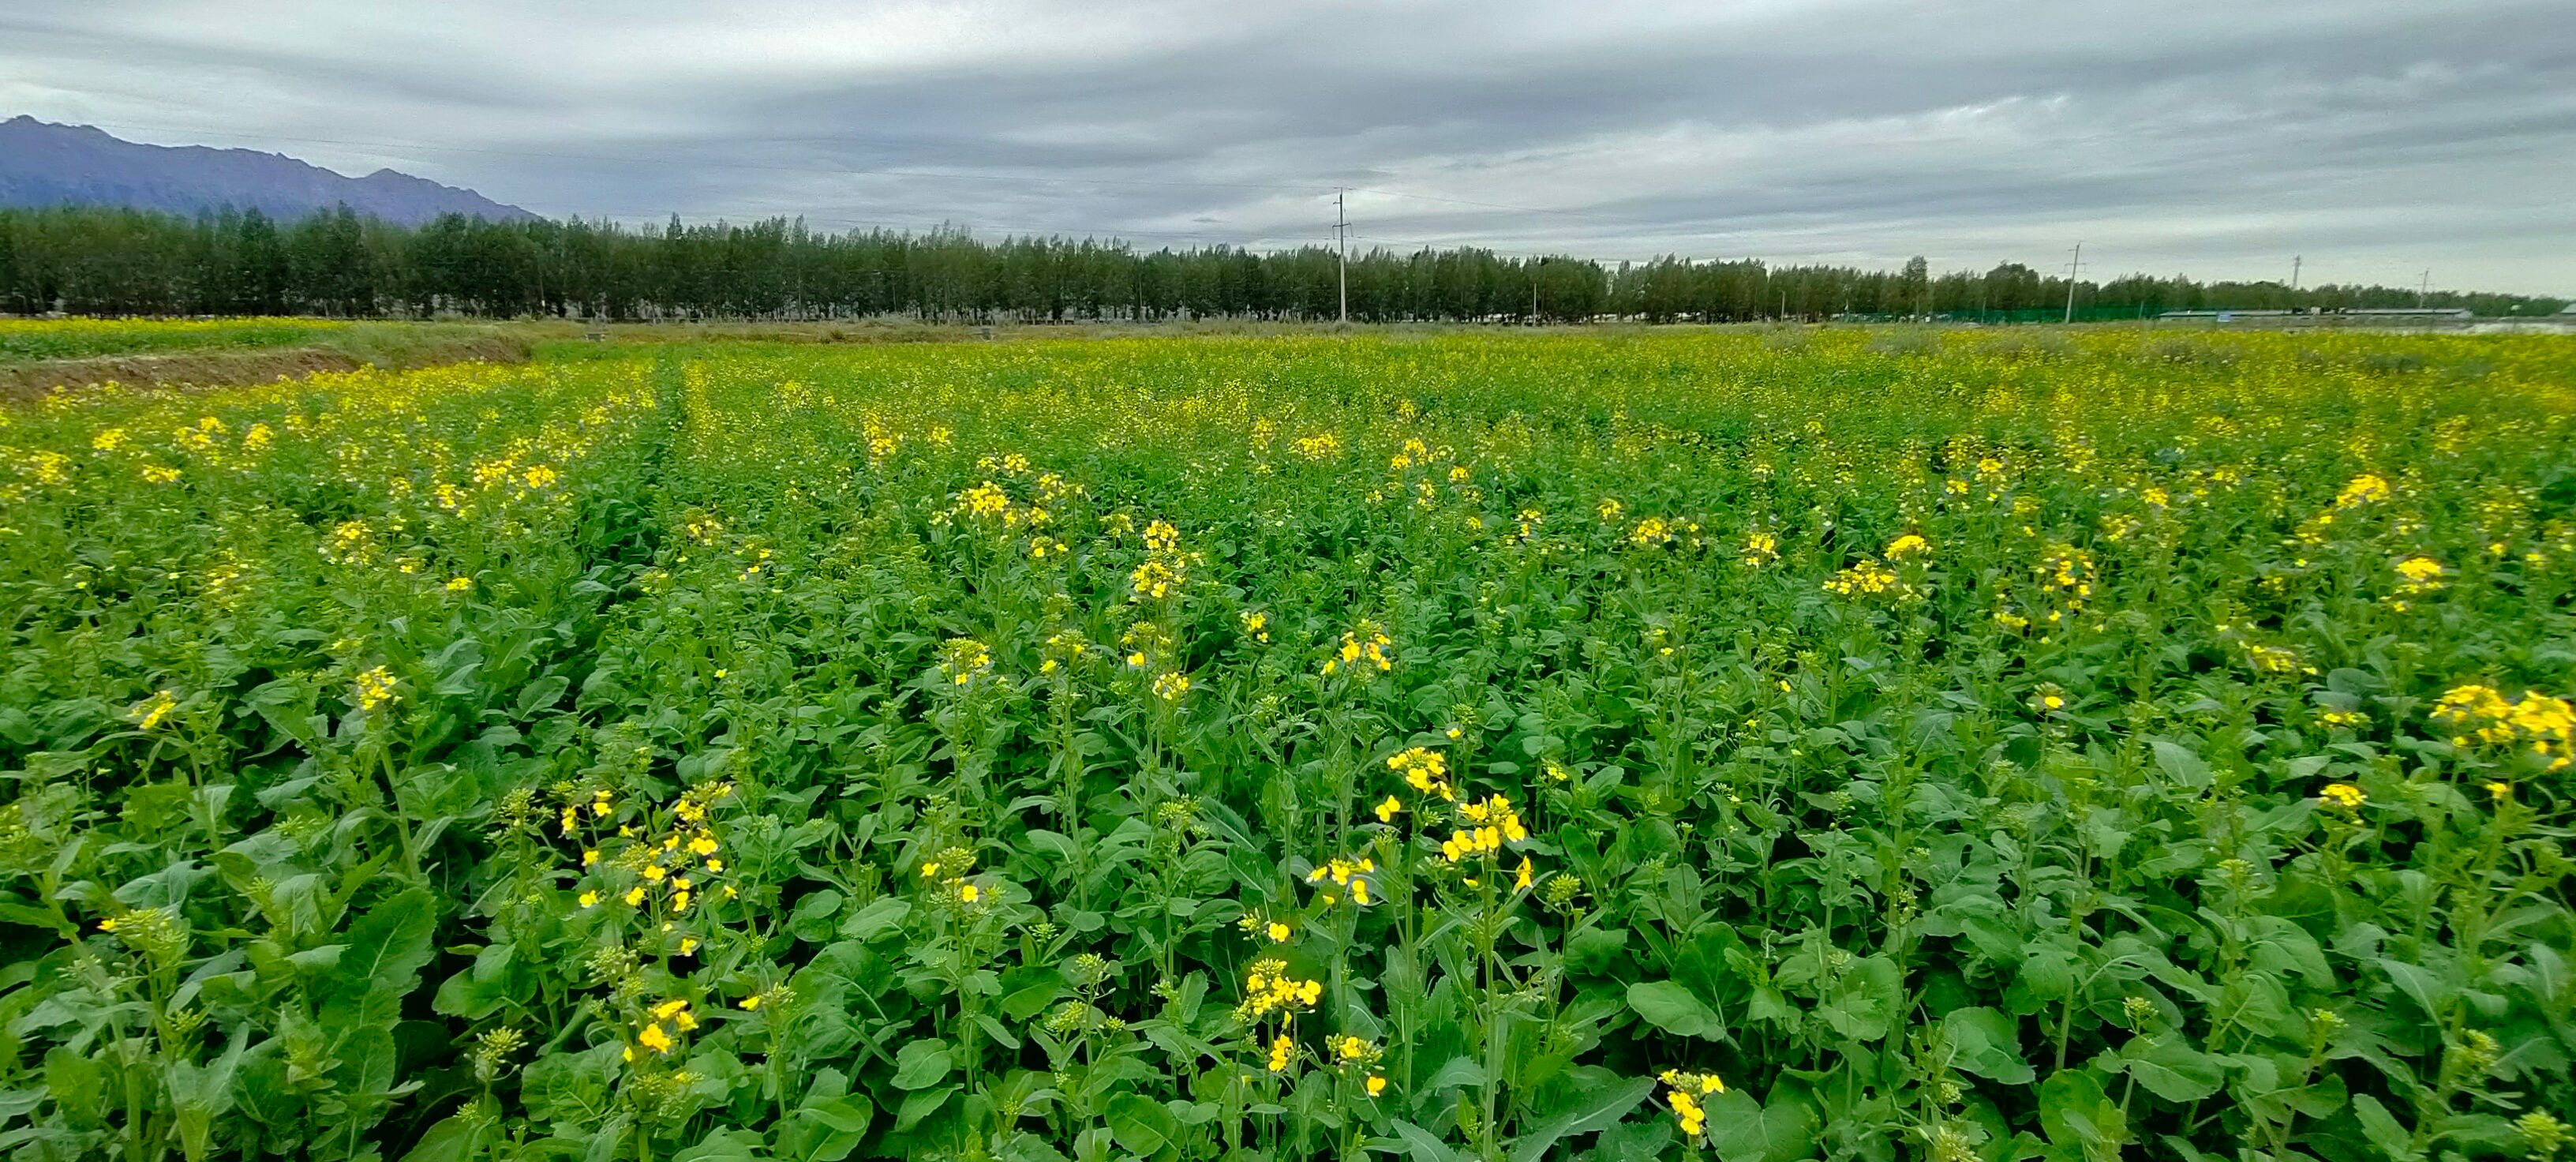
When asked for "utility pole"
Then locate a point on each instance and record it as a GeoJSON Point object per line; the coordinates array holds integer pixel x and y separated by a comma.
{"type": "Point", "coordinates": [1535, 267]}
{"type": "Point", "coordinates": [2424, 288]}
{"type": "Point", "coordinates": [2295, 261]}
{"type": "Point", "coordinates": [2072, 269]}
{"type": "Point", "coordinates": [1342, 242]}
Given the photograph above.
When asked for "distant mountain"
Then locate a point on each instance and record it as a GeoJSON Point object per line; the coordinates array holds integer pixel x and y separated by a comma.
{"type": "Point", "coordinates": [43, 164]}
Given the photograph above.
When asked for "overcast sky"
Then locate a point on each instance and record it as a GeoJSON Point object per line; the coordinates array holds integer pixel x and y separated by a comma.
{"type": "Point", "coordinates": [2376, 139]}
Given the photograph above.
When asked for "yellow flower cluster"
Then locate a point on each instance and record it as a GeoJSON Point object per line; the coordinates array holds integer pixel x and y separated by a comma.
{"type": "Point", "coordinates": [2273, 659]}
{"type": "Point", "coordinates": [1063, 648]}
{"type": "Point", "coordinates": [2067, 570]}
{"type": "Point", "coordinates": [155, 710]}
{"type": "Point", "coordinates": [1165, 566]}
{"type": "Point", "coordinates": [1424, 770]}
{"type": "Point", "coordinates": [964, 659]}
{"type": "Point", "coordinates": [1489, 825]}
{"type": "Point", "coordinates": [951, 869]}
{"type": "Point", "coordinates": [1865, 578]}
{"type": "Point", "coordinates": [1258, 925]}
{"type": "Point", "coordinates": [2538, 723]}
{"type": "Point", "coordinates": [2418, 575]}
{"type": "Point", "coordinates": [1683, 1092]}
{"type": "Point", "coordinates": [375, 688]}
{"type": "Point", "coordinates": [681, 864]}
{"type": "Point", "coordinates": [1365, 642]}
{"type": "Point", "coordinates": [2343, 795]}
{"type": "Point", "coordinates": [601, 804]}
{"type": "Point", "coordinates": [1269, 988]}
{"type": "Point", "coordinates": [1319, 447]}
{"type": "Point", "coordinates": [1156, 578]}
{"type": "Point", "coordinates": [1348, 874]}
{"type": "Point", "coordinates": [2364, 489]}
{"type": "Point", "coordinates": [984, 500]}
{"type": "Point", "coordinates": [675, 1013]}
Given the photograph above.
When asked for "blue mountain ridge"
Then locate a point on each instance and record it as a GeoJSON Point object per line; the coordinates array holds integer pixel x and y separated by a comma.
{"type": "Point", "coordinates": [44, 164]}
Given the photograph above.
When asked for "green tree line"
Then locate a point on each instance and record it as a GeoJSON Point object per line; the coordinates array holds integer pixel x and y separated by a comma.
{"type": "Point", "coordinates": [114, 261]}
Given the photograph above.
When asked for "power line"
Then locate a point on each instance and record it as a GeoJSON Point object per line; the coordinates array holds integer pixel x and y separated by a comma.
{"type": "Point", "coordinates": [1342, 245]}
{"type": "Point", "coordinates": [703, 218]}
{"type": "Point", "coordinates": [2073, 270]}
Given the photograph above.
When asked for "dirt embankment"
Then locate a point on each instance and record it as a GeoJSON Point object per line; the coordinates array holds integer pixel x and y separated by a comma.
{"type": "Point", "coordinates": [192, 369]}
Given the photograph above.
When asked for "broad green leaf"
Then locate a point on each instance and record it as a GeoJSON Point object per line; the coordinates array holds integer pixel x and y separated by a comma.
{"type": "Point", "coordinates": [2180, 764]}
{"type": "Point", "coordinates": [1140, 1123]}
{"type": "Point", "coordinates": [879, 917]}
{"type": "Point", "coordinates": [2075, 1113]}
{"type": "Point", "coordinates": [201, 1094]}
{"type": "Point", "coordinates": [1670, 1007]}
{"type": "Point", "coordinates": [922, 1064]}
{"type": "Point", "coordinates": [1987, 1043]}
{"type": "Point", "coordinates": [2383, 1129]}
{"type": "Point", "coordinates": [387, 948]}
{"type": "Point", "coordinates": [453, 1139]}
{"type": "Point", "coordinates": [1863, 1000]}
{"type": "Point", "coordinates": [723, 1145]}
{"type": "Point", "coordinates": [1745, 1130]}
{"type": "Point", "coordinates": [2167, 1065]}
{"type": "Point", "coordinates": [1599, 1110]}
{"type": "Point", "coordinates": [1423, 1145]}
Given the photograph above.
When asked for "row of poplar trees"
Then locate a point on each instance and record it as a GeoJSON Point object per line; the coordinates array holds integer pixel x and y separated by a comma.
{"type": "Point", "coordinates": [114, 261]}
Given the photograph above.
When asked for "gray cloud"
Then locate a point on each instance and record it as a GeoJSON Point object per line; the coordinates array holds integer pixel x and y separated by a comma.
{"type": "Point", "coordinates": [2375, 138]}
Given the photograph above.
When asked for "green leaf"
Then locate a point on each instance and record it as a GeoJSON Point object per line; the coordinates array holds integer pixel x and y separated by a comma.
{"type": "Point", "coordinates": [723, 1145]}
{"type": "Point", "coordinates": [2075, 1113]}
{"type": "Point", "coordinates": [480, 989]}
{"type": "Point", "coordinates": [542, 693]}
{"type": "Point", "coordinates": [1026, 992]}
{"type": "Point", "coordinates": [2180, 764]}
{"type": "Point", "coordinates": [921, 1104]}
{"type": "Point", "coordinates": [878, 918]}
{"type": "Point", "coordinates": [2048, 972]}
{"type": "Point", "coordinates": [1634, 1141]}
{"type": "Point", "coordinates": [2382, 1128]}
{"type": "Point", "coordinates": [2417, 983]}
{"type": "Point", "coordinates": [1602, 1109]}
{"type": "Point", "coordinates": [1987, 1043]}
{"type": "Point", "coordinates": [1140, 1123]}
{"type": "Point", "coordinates": [1864, 999]}
{"type": "Point", "coordinates": [1424, 1147]}
{"type": "Point", "coordinates": [1595, 951]}
{"type": "Point", "coordinates": [387, 949]}
{"type": "Point", "coordinates": [1744, 1130]}
{"type": "Point", "coordinates": [2171, 1069]}
{"type": "Point", "coordinates": [843, 1115]}
{"type": "Point", "coordinates": [201, 1094]}
{"type": "Point", "coordinates": [922, 1064]}
{"type": "Point", "coordinates": [831, 1127]}
{"type": "Point", "coordinates": [451, 1140]}
{"type": "Point", "coordinates": [1674, 1009]}
{"type": "Point", "coordinates": [1458, 1071]}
